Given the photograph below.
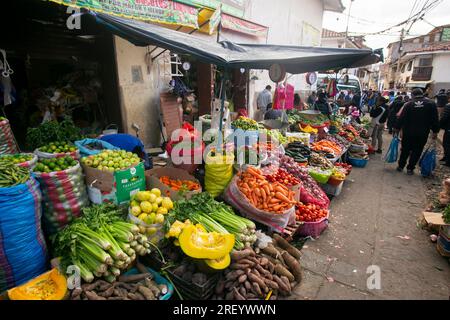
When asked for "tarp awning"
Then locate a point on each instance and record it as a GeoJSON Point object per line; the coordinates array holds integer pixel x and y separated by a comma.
{"type": "Point", "coordinates": [418, 84]}
{"type": "Point", "coordinates": [295, 59]}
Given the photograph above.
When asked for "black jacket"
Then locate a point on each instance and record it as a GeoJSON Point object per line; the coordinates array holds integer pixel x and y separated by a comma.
{"type": "Point", "coordinates": [444, 123]}
{"type": "Point", "coordinates": [441, 99]}
{"type": "Point", "coordinates": [394, 108]}
{"type": "Point", "coordinates": [418, 117]}
{"type": "Point", "coordinates": [322, 106]}
{"type": "Point", "coordinates": [376, 111]}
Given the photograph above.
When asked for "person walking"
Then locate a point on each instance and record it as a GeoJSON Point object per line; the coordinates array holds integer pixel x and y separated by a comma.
{"type": "Point", "coordinates": [394, 108]}
{"type": "Point", "coordinates": [379, 115]}
{"type": "Point", "coordinates": [445, 124]}
{"type": "Point", "coordinates": [263, 100]}
{"type": "Point", "coordinates": [417, 118]}
{"type": "Point", "coordinates": [441, 101]}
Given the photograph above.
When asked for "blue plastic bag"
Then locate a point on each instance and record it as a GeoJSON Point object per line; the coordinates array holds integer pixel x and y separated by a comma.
{"type": "Point", "coordinates": [428, 162]}
{"type": "Point", "coordinates": [23, 252]}
{"type": "Point", "coordinates": [86, 151]}
{"type": "Point", "coordinates": [392, 153]}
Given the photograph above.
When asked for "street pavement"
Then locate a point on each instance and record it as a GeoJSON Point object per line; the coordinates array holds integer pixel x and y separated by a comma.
{"type": "Point", "coordinates": [374, 223]}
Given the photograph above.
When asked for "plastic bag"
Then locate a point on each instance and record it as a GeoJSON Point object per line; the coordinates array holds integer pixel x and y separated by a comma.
{"type": "Point", "coordinates": [64, 195]}
{"type": "Point", "coordinates": [7, 141]}
{"type": "Point", "coordinates": [237, 200]}
{"type": "Point", "coordinates": [23, 252]}
{"type": "Point", "coordinates": [428, 162]}
{"type": "Point", "coordinates": [311, 193]}
{"type": "Point", "coordinates": [392, 153]}
{"type": "Point", "coordinates": [154, 232]}
{"type": "Point", "coordinates": [46, 155]}
{"type": "Point", "coordinates": [29, 164]}
{"type": "Point", "coordinates": [82, 145]}
{"type": "Point", "coordinates": [218, 173]}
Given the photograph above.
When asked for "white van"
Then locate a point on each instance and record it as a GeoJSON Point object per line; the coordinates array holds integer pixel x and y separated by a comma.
{"type": "Point", "coordinates": [344, 83]}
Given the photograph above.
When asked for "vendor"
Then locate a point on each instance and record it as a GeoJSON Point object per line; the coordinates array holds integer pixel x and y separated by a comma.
{"type": "Point", "coordinates": [322, 104]}
{"type": "Point", "coordinates": [272, 114]}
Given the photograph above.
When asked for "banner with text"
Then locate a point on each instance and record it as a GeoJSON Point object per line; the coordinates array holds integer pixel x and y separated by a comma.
{"type": "Point", "coordinates": [160, 11]}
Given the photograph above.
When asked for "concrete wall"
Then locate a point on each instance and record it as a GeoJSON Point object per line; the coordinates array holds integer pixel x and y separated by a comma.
{"type": "Point", "coordinates": [441, 68]}
{"type": "Point", "coordinates": [139, 98]}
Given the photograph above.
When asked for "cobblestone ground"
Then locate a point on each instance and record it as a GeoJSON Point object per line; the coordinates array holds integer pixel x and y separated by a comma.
{"type": "Point", "coordinates": [374, 222]}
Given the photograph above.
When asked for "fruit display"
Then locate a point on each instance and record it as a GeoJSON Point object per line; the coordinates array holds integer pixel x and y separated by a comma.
{"type": "Point", "coordinates": [54, 164]}
{"type": "Point", "coordinates": [58, 147]}
{"type": "Point", "coordinates": [283, 177]}
{"type": "Point", "coordinates": [12, 175]}
{"type": "Point", "coordinates": [179, 185]}
{"type": "Point", "coordinates": [17, 158]}
{"type": "Point", "coordinates": [309, 212]}
{"type": "Point", "coordinates": [347, 167]}
{"type": "Point", "coordinates": [111, 160]}
{"type": "Point", "coordinates": [148, 210]}
{"type": "Point", "coordinates": [245, 123]}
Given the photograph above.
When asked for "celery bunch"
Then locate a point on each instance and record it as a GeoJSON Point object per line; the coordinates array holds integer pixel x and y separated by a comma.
{"type": "Point", "coordinates": [100, 243]}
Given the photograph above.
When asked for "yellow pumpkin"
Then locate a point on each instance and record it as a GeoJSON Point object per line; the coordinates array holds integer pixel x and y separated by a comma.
{"type": "Point", "coordinates": [219, 264]}
{"type": "Point", "coordinates": [51, 285]}
{"type": "Point", "coordinates": [205, 245]}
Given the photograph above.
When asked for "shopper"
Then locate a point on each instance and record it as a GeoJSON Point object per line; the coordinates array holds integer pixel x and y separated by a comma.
{"type": "Point", "coordinates": [379, 115]}
{"type": "Point", "coordinates": [322, 104]}
{"type": "Point", "coordinates": [371, 99]}
{"type": "Point", "coordinates": [298, 103]}
{"type": "Point", "coordinates": [272, 114]}
{"type": "Point", "coordinates": [445, 124]}
{"type": "Point", "coordinates": [441, 101]}
{"type": "Point", "coordinates": [264, 98]}
{"type": "Point", "coordinates": [312, 98]}
{"type": "Point", "coordinates": [417, 118]}
{"type": "Point", "coordinates": [393, 109]}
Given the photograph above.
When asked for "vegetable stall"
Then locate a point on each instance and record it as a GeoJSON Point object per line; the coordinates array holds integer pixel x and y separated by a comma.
{"type": "Point", "coordinates": [175, 233]}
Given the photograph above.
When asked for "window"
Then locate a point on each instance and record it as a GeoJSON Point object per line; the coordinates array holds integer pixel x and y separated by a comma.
{"type": "Point", "coordinates": [410, 66]}
{"type": "Point", "coordinates": [426, 39]}
{"type": "Point", "coordinates": [402, 68]}
{"type": "Point", "coordinates": [417, 40]}
{"type": "Point", "coordinates": [407, 80]}
{"type": "Point", "coordinates": [425, 62]}
{"type": "Point", "coordinates": [432, 37]}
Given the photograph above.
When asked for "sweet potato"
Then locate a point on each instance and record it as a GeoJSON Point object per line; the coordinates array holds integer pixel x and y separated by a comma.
{"type": "Point", "coordinates": [233, 275]}
{"type": "Point", "coordinates": [239, 266]}
{"type": "Point", "coordinates": [237, 255]}
{"type": "Point", "coordinates": [91, 295]}
{"type": "Point", "coordinates": [247, 285]}
{"type": "Point", "coordinates": [152, 286]}
{"type": "Point", "coordinates": [271, 284]}
{"type": "Point", "coordinates": [76, 293]}
{"type": "Point", "coordinates": [282, 271]}
{"type": "Point", "coordinates": [282, 243]}
{"type": "Point", "coordinates": [282, 286]}
{"type": "Point", "coordinates": [247, 261]}
{"type": "Point", "coordinates": [242, 291]}
{"type": "Point", "coordinates": [263, 261]}
{"type": "Point", "coordinates": [242, 278]}
{"type": "Point", "coordinates": [237, 295]}
{"type": "Point", "coordinates": [254, 278]}
{"type": "Point", "coordinates": [135, 296]}
{"type": "Point", "coordinates": [147, 293]}
{"type": "Point", "coordinates": [264, 272]}
{"type": "Point", "coordinates": [286, 281]}
{"type": "Point", "coordinates": [257, 289]}
{"type": "Point", "coordinates": [107, 293]}
{"type": "Point", "coordinates": [294, 266]}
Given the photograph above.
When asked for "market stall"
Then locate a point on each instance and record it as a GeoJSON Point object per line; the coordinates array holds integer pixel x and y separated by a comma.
{"type": "Point", "coordinates": [164, 233]}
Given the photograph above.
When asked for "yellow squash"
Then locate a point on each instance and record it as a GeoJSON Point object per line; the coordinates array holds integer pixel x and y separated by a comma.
{"type": "Point", "coordinates": [219, 264]}
{"type": "Point", "coordinates": [205, 245]}
{"type": "Point", "coordinates": [48, 286]}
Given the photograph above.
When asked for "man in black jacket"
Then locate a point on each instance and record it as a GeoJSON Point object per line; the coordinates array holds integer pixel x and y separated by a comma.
{"type": "Point", "coordinates": [394, 108]}
{"type": "Point", "coordinates": [445, 124]}
{"type": "Point", "coordinates": [418, 117]}
{"type": "Point", "coordinates": [441, 101]}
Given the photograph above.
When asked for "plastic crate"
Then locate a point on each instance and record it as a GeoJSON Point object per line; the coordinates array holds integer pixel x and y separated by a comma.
{"type": "Point", "coordinates": [359, 163]}
{"type": "Point", "coordinates": [332, 190]}
{"type": "Point", "coordinates": [189, 291]}
{"type": "Point", "coordinates": [159, 279]}
{"type": "Point", "coordinates": [313, 229]}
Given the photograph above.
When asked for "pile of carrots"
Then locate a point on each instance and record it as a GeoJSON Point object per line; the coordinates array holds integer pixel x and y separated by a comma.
{"type": "Point", "coordinates": [327, 146]}
{"type": "Point", "coordinates": [264, 195]}
{"type": "Point", "coordinates": [177, 185]}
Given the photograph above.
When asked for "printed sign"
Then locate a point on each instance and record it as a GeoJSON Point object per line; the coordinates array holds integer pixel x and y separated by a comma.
{"type": "Point", "coordinates": [160, 11]}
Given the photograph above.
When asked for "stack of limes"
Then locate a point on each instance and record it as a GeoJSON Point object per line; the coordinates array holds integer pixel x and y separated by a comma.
{"type": "Point", "coordinates": [150, 207]}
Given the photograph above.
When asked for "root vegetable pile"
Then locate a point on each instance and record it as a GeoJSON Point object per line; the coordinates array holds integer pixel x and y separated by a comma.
{"type": "Point", "coordinates": [271, 197]}
{"type": "Point", "coordinates": [128, 287]}
{"type": "Point", "coordinates": [255, 275]}
{"type": "Point", "coordinates": [183, 185]}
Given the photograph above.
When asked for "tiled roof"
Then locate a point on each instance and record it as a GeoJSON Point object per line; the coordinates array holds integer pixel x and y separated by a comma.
{"type": "Point", "coordinates": [332, 34]}
{"type": "Point", "coordinates": [443, 46]}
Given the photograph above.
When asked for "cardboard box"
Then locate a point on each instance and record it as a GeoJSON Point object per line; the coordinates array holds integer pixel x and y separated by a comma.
{"type": "Point", "coordinates": [152, 177]}
{"type": "Point", "coordinates": [117, 187]}
{"type": "Point", "coordinates": [434, 218]}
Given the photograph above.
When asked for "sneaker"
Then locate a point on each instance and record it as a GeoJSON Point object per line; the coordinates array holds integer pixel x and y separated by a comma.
{"type": "Point", "coordinates": [379, 151]}
{"type": "Point", "coordinates": [410, 172]}
{"type": "Point", "coordinates": [399, 169]}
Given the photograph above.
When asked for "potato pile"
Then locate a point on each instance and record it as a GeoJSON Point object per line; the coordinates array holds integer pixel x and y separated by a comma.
{"type": "Point", "coordinates": [255, 275]}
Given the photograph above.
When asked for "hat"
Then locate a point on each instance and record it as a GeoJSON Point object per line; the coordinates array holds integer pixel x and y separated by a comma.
{"type": "Point", "coordinates": [417, 92]}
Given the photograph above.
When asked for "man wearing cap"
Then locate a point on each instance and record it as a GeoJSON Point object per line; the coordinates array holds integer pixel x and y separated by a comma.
{"type": "Point", "coordinates": [418, 117]}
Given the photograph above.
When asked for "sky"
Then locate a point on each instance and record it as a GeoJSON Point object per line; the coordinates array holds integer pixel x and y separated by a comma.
{"type": "Point", "coordinates": [368, 16]}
